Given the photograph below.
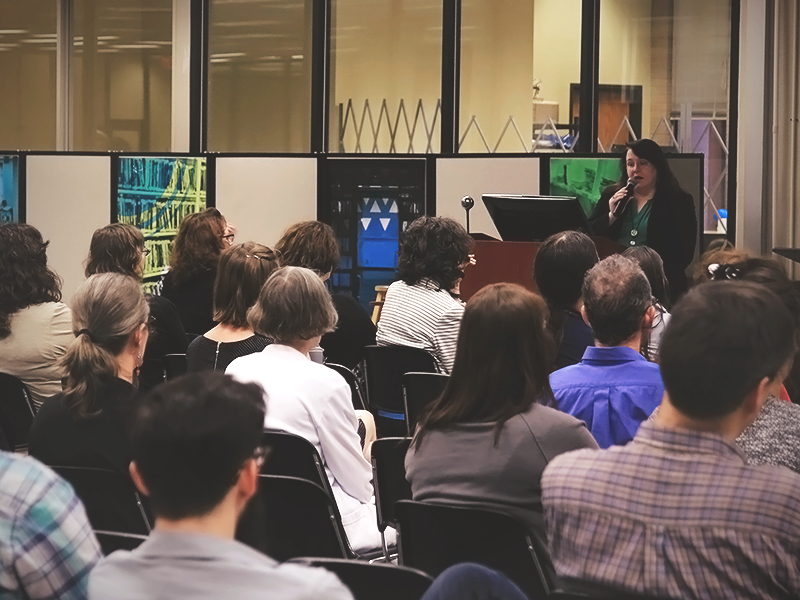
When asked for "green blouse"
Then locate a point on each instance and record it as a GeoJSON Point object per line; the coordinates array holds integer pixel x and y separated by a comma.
{"type": "Point", "coordinates": [634, 225]}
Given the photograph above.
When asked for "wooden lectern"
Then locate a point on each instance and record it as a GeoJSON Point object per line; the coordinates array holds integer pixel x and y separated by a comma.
{"type": "Point", "coordinates": [512, 262]}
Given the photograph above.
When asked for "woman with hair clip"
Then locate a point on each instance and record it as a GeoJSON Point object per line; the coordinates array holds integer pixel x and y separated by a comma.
{"type": "Point", "coordinates": [650, 262]}
{"type": "Point", "coordinates": [656, 213]}
{"type": "Point", "coordinates": [242, 271]}
{"type": "Point", "coordinates": [189, 283]}
{"type": "Point", "coordinates": [35, 326]}
{"type": "Point", "coordinates": [84, 426]}
{"type": "Point", "coordinates": [486, 441]}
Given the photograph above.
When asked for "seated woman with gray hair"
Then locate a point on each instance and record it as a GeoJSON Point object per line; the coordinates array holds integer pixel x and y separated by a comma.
{"type": "Point", "coordinates": [309, 399]}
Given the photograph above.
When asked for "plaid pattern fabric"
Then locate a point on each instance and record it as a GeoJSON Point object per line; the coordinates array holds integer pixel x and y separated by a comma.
{"type": "Point", "coordinates": [47, 547]}
{"type": "Point", "coordinates": [675, 514]}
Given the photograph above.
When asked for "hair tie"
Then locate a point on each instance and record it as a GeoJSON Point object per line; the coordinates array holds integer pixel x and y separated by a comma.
{"type": "Point", "coordinates": [723, 272]}
{"type": "Point", "coordinates": [88, 333]}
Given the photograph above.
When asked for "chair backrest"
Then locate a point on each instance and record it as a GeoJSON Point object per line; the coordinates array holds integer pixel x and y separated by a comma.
{"type": "Point", "coordinates": [16, 411]}
{"type": "Point", "coordinates": [111, 541]}
{"type": "Point", "coordinates": [433, 537]}
{"type": "Point", "coordinates": [374, 581]}
{"type": "Point", "coordinates": [291, 455]}
{"type": "Point", "coordinates": [596, 594]}
{"type": "Point", "coordinates": [389, 477]}
{"type": "Point", "coordinates": [112, 503]}
{"type": "Point", "coordinates": [174, 365]}
{"type": "Point", "coordinates": [294, 517]}
{"type": "Point", "coordinates": [352, 381]}
{"type": "Point", "coordinates": [386, 366]}
{"type": "Point", "coordinates": [419, 390]}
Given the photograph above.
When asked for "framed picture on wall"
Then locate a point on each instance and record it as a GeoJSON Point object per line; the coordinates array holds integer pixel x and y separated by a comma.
{"type": "Point", "coordinates": [12, 206]}
{"type": "Point", "coordinates": [155, 193]}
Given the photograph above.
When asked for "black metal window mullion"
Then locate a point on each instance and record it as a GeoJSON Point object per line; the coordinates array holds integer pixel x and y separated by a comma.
{"type": "Point", "coordinates": [198, 77]}
{"type": "Point", "coordinates": [590, 69]}
{"type": "Point", "coordinates": [320, 74]}
{"type": "Point", "coordinates": [451, 75]}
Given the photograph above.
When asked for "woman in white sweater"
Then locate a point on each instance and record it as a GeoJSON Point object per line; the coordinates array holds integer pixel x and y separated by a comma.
{"type": "Point", "coordinates": [309, 399]}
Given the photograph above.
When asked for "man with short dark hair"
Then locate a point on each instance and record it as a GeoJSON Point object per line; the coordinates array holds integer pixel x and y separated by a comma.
{"type": "Point", "coordinates": [196, 455]}
{"type": "Point", "coordinates": [678, 513]}
{"type": "Point", "coordinates": [613, 389]}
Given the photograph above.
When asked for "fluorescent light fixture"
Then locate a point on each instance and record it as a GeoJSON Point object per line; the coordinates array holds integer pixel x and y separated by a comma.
{"type": "Point", "coordinates": [228, 55]}
{"type": "Point", "coordinates": [220, 60]}
{"type": "Point", "coordinates": [39, 41]}
{"type": "Point", "coordinates": [297, 57]}
{"type": "Point", "coordinates": [135, 46]}
{"type": "Point", "coordinates": [13, 31]}
{"type": "Point", "coordinates": [107, 38]}
{"type": "Point", "coordinates": [50, 36]}
{"type": "Point", "coordinates": [107, 51]}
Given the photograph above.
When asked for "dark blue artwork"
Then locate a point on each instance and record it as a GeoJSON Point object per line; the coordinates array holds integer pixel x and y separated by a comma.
{"type": "Point", "coordinates": [9, 189]}
{"type": "Point", "coordinates": [377, 233]}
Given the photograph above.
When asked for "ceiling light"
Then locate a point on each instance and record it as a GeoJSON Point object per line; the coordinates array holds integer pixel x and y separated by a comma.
{"type": "Point", "coordinates": [107, 37]}
{"type": "Point", "coordinates": [228, 55]}
{"type": "Point", "coordinates": [136, 46]}
{"type": "Point", "coordinates": [13, 31]}
{"type": "Point", "coordinates": [38, 41]}
{"type": "Point", "coordinates": [297, 57]}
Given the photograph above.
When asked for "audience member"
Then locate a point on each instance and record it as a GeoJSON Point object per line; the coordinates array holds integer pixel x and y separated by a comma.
{"type": "Point", "coordinates": [470, 581]}
{"type": "Point", "coordinates": [653, 267]}
{"type": "Point", "coordinates": [485, 442]}
{"type": "Point", "coordinates": [119, 248]}
{"type": "Point", "coordinates": [421, 310]}
{"type": "Point", "coordinates": [613, 389]}
{"type": "Point", "coordinates": [85, 425]}
{"type": "Point", "coordinates": [242, 271]}
{"type": "Point", "coordinates": [308, 399]}
{"type": "Point", "coordinates": [196, 455]}
{"type": "Point", "coordinates": [558, 270]}
{"type": "Point", "coordinates": [47, 547]}
{"type": "Point", "coordinates": [312, 245]}
{"type": "Point", "coordinates": [774, 437]}
{"type": "Point", "coordinates": [189, 283]}
{"type": "Point", "coordinates": [35, 329]}
{"type": "Point", "coordinates": [678, 512]}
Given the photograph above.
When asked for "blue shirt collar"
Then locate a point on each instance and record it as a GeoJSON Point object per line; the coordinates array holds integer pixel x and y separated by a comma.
{"type": "Point", "coordinates": [613, 355]}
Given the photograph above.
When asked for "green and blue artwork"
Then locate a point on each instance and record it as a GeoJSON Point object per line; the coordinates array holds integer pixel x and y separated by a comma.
{"type": "Point", "coordinates": [585, 178]}
{"type": "Point", "coordinates": [155, 194]}
{"type": "Point", "coordinates": [9, 189]}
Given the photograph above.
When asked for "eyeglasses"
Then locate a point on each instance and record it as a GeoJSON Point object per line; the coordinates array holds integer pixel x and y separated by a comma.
{"type": "Point", "coordinates": [146, 251]}
{"type": "Point", "coordinates": [659, 316]}
{"type": "Point", "coordinates": [229, 238]}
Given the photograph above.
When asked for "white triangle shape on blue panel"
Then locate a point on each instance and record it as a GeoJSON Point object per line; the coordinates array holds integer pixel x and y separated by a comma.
{"type": "Point", "coordinates": [365, 222]}
{"type": "Point", "coordinates": [365, 201]}
{"type": "Point", "coordinates": [393, 207]}
{"type": "Point", "coordinates": [376, 207]}
{"type": "Point", "coordinates": [385, 223]}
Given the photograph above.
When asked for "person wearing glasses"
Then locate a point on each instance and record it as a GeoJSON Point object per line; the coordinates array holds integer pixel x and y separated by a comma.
{"type": "Point", "coordinates": [653, 267]}
{"type": "Point", "coordinates": [85, 425]}
{"type": "Point", "coordinates": [189, 283]}
{"type": "Point", "coordinates": [120, 248]}
{"type": "Point", "coordinates": [614, 388]}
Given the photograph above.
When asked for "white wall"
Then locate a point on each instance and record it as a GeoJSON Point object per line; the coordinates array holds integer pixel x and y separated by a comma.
{"type": "Point", "coordinates": [68, 197]}
{"type": "Point", "coordinates": [459, 177]}
{"type": "Point", "coordinates": [263, 196]}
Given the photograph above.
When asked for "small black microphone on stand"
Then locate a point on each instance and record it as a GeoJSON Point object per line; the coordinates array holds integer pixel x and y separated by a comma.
{"type": "Point", "coordinates": [628, 195]}
{"type": "Point", "coordinates": [467, 202]}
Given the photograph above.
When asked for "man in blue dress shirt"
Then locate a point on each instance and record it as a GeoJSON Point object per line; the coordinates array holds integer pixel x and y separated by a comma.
{"type": "Point", "coordinates": [613, 389]}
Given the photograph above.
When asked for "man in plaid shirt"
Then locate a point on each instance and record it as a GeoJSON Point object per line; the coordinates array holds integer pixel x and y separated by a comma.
{"type": "Point", "coordinates": [678, 512]}
{"type": "Point", "coordinates": [47, 547]}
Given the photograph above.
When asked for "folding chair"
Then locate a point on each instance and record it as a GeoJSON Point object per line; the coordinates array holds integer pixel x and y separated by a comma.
{"type": "Point", "coordinates": [352, 381]}
{"type": "Point", "coordinates": [419, 390]}
{"type": "Point", "coordinates": [386, 366]}
{"type": "Point", "coordinates": [373, 581]}
{"type": "Point", "coordinates": [389, 479]}
{"type": "Point", "coordinates": [433, 537]}
{"type": "Point", "coordinates": [111, 541]}
{"type": "Point", "coordinates": [174, 365]}
{"type": "Point", "coordinates": [16, 412]}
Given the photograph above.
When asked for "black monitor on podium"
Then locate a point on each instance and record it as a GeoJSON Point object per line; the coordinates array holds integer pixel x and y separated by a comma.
{"type": "Point", "coordinates": [534, 218]}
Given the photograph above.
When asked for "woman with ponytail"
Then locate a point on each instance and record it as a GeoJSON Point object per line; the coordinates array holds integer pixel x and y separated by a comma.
{"type": "Point", "coordinates": [85, 425]}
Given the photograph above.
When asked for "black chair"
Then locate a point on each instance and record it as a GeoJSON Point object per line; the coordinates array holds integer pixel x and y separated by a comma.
{"type": "Point", "coordinates": [419, 390]}
{"type": "Point", "coordinates": [112, 504]}
{"type": "Point", "coordinates": [433, 537]}
{"type": "Point", "coordinates": [374, 581]}
{"type": "Point", "coordinates": [151, 374]}
{"type": "Point", "coordinates": [386, 366]}
{"type": "Point", "coordinates": [16, 412]}
{"type": "Point", "coordinates": [291, 455]}
{"type": "Point", "coordinates": [389, 479]}
{"type": "Point", "coordinates": [352, 381]}
{"type": "Point", "coordinates": [293, 517]}
{"type": "Point", "coordinates": [593, 593]}
{"type": "Point", "coordinates": [111, 541]}
{"type": "Point", "coordinates": [174, 365]}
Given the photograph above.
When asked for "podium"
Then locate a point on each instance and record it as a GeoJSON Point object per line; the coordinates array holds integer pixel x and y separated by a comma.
{"type": "Point", "coordinates": [512, 262]}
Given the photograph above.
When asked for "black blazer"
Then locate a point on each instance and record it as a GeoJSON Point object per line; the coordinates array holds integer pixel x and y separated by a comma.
{"type": "Point", "coordinates": [671, 231]}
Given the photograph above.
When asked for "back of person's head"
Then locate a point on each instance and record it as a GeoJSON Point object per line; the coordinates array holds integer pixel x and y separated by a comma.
{"type": "Point", "coordinates": [25, 278]}
{"type": "Point", "coordinates": [502, 361]}
{"type": "Point", "coordinates": [560, 266]}
{"type": "Point", "coordinates": [116, 248]}
{"type": "Point", "coordinates": [311, 245]}
{"type": "Point", "coordinates": [616, 297]}
{"type": "Point", "coordinates": [191, 436]}
{"type": "Point", "coordinates": [106, 310]}
{"type": "Point", "coordinates": [242, 271]}
{"type": "Point", "coordinates": [724, 255]}
{"type": "Point", "coordinates": [434, 248]}
{"type": "Point", "coordinates": [723, 339]}
{"type": "Point", "coordinates": [652, 265]}
{"type": "Point", "coordinates": [294, 304]}
{"type": "Point", "coordinates": [198, 244]}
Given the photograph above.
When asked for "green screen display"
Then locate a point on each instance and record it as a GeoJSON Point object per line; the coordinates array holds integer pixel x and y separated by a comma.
{"type": "Point", "coordinates": [585, 178]}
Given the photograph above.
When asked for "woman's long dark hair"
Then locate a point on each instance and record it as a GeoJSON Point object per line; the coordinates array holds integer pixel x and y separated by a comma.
{"type": "Point", "coordinates": [198, 245]}
{"type": "Point", "coordinates": [652, 265]}
{"type": "Point", "coordinates": [652, 153]}
{"type": "Point", "coordinates": [25, 278]}
{"type": "Point", "coordinates": [502, 362]}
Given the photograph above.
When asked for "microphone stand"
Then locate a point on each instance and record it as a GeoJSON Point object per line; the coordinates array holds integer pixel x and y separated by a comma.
{"type": "Point", "coordinates": [467, 203]}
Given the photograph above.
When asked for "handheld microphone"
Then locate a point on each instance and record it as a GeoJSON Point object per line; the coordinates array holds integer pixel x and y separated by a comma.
{"type": "Point", "coordinates": [628, 195]}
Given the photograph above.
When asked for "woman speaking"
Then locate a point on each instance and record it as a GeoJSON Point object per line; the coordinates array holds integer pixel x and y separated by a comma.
{"type": "Point", "coordinates": [651, 210]}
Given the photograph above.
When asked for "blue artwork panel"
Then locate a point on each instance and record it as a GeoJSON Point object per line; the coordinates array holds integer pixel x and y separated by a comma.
{"type": "Point", "coordinates": [378, 233]}
{"type": "Point", "coordinates": [9, 189]}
